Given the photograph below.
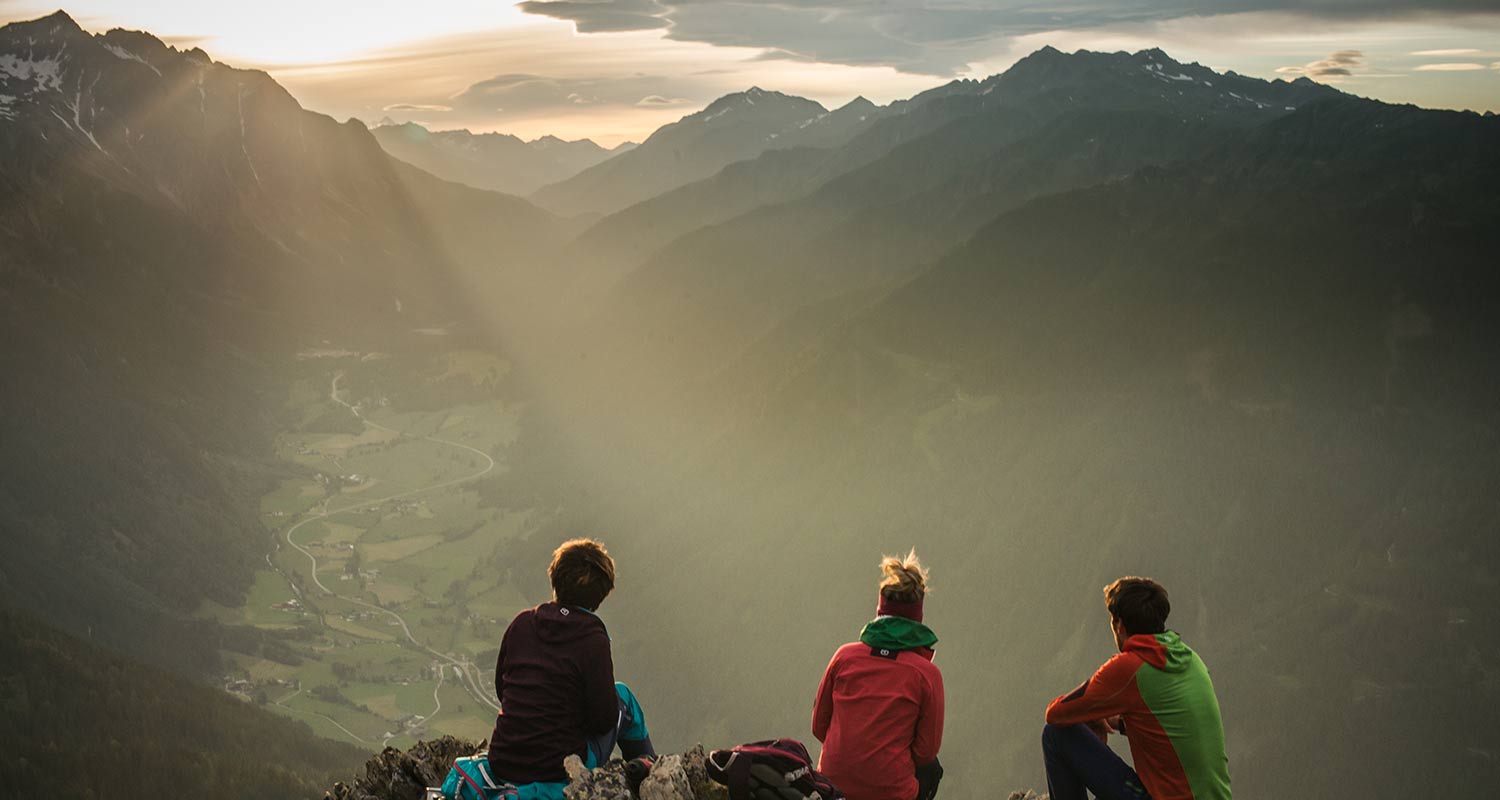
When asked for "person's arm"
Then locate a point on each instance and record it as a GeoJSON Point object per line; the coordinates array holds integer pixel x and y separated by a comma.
{"type": "Point", "coordinates": [500, 669]}
{"type": "Point", "coordinates": [601, 704]}
{"type": "Point", "coordinates": [929, 734]}
{"type": "Point", "coordinates": [823, 703]}
{"type": "Point", "coordinates": [1111, 691]}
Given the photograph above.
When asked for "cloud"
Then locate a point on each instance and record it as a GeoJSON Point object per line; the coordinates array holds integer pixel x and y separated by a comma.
{"type": "Point", "coordinates": [602, 16]}
{"type": "Point", "coordinates": [932, 37]}
{"type": "Point", "coordinates": [1340, 64]}
{"type": "Point", "coordinates": [524, 94]}
{"type": "Point", "coordinates": [1464, 67]}
{"type": "Point", "coordinates": [1460, 51]}
{"type": "Point", "coordinates": [416, 107]}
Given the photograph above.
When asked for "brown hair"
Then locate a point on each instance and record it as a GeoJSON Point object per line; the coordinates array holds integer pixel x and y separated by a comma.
{"type": "Point", "coordinates": [1140, 604]}
{"type": "Point", "coordinates": [905, 579]}
{"type": "Point", "coordinates": [582, 573]}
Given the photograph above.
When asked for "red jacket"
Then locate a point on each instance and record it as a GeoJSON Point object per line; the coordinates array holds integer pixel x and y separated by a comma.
{"type": "Point", "coordinates": [878, 717]}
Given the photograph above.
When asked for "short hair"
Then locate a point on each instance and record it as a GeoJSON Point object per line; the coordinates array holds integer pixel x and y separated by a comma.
{"type": "Point", "coordinates": [1140, 604]}
{"type": "Point", "coordinates": [905, 579]}
{"type": "Point", "coordinates": [582, 573]}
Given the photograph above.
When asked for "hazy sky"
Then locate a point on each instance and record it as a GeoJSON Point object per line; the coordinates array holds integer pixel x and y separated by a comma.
{"type": "Point", "coordinates": [617, 69]}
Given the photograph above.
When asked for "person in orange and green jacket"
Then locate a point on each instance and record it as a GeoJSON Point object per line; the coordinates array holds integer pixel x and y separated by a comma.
{"type": "Point", "coordinates": [1156, 692]}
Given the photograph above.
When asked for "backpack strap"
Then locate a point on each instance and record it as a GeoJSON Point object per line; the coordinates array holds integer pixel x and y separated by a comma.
{"type": "Point", "coordinates": [478, 792]}
{"type": "Point", "coordinates": [738, 772]}
{"type": "Point", "coordinates": [489, 783]}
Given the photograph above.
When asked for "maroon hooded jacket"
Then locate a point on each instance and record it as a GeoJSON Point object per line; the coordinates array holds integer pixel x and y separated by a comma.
{"type": "Point", "coordinates": [556, 683]}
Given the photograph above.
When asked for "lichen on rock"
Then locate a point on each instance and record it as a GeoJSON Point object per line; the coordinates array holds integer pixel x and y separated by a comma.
{"type": "Point", "coordinates": [397, 775]}
{"type": "Point", "coordinates": [679, 776]}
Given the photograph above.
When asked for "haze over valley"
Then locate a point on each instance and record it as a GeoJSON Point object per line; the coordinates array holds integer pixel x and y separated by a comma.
{"type": "Point", "coordinates": [297, 409]}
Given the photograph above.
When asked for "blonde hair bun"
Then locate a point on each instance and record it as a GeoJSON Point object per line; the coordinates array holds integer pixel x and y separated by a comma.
{"type": "Point", "coordinates": [905, 579]}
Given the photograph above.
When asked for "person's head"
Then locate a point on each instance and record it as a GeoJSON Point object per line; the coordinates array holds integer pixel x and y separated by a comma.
{"type": "Point", "coordinates": [1136, 606]}
{"type": "Point", "coordinates": [582, 573]}
{"type": "Point", "coordinates": [903, 587]}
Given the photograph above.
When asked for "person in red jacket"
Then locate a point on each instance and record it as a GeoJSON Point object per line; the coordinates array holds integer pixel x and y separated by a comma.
{"type": "Point", "coordinates": [879, 710]}
{"type": "Point", "coordinates": [1158, 693]}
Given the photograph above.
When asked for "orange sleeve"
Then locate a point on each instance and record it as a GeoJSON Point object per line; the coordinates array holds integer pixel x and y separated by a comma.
{"type": "Point", "coordinates": [1110, 691]}
{"type": "Point", "coordinates": [823, 703]}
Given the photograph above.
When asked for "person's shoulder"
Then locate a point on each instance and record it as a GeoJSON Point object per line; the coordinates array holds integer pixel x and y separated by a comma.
{"type": "Point", "coordinates": [1122, 664]}
{"type": "Point", "coordinates": [850, 649]}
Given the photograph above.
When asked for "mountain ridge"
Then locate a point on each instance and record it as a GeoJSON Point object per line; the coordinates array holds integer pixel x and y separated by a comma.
{"type": "Point", "coordinates": [496, 161]}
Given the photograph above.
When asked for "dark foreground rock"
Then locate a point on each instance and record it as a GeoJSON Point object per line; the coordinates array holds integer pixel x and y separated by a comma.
{"type": "Point", "coordinates": [398, 775]}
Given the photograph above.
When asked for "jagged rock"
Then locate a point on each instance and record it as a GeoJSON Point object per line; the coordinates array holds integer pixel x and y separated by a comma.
{"type": "Point", "coordinates": [695, 763]}
{"type": "Point", "coordinates": [1027, 795]}
{"type": "Point", "coordinates": [603, 783]}
{"type": "Point", "coordinates": [667, 781]}
{"type": "Point", "coordinates": [677, 776]}
{"type": "Point", "coordinates": [397, 775]}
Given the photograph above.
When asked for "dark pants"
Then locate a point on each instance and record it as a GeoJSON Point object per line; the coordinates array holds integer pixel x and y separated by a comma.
{"type": "Point", "coordinates": [1078, 762]}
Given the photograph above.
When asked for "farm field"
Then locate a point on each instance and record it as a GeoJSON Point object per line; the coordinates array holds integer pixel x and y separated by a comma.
{"type": "Point", "coordinates": [393, 638]}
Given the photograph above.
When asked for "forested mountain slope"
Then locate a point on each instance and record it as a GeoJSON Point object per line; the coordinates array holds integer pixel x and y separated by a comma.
{"type": "Point", "coordinates": [1265, 376]}
{"type": "Point", "coordinates": [158, 735]}
{"type": "Point", "coordinates": [174, 231]}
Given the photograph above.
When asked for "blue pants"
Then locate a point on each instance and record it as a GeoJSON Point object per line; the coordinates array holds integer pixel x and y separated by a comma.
{"type": "Point", "coordinates": [1078, 762]}
{"type": "Point", "coordinates": [629, 732]}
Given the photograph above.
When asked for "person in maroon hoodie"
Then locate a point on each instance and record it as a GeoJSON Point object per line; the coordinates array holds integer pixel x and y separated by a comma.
{"type": "Point", "coordinates": [879, 710]}
{"type": "Point", "coordinates": [555, 681]}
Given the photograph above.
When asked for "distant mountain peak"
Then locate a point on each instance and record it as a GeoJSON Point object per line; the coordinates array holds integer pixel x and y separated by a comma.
{"type": "Point", "coordinates": [54, 27]}
{"type": "Point", "coordinates": [860, 103]}
{"type": "Point", "coordinates": [60, 18]}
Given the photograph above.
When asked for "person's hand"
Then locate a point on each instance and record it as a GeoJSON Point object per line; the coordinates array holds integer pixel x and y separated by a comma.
{"type": "Point", "coordinates": [1100, 729]}
{"type": "Point", "coordinates": [1115, 723]}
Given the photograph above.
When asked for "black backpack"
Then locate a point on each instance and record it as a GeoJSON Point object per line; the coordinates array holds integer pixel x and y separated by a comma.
{"type": "Point", "coordinates": [776, 769]}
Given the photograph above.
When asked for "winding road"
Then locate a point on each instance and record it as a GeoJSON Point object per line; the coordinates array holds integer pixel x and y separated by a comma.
{"type": "Point", "coordinates": [466, 670]}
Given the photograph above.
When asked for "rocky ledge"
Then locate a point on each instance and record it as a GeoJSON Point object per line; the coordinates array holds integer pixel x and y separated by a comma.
{"type": "Point", "coordinates": [398, 775]}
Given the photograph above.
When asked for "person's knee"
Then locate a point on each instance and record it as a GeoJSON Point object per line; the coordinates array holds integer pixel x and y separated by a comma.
{"type": "Point", "coordinates": [1052, 737]}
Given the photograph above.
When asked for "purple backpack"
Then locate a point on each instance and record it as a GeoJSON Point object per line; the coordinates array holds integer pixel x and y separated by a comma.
{"type": "Point", "coordinates": [777, 769]}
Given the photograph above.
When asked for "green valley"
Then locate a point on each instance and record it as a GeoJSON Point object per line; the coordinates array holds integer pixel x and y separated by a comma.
{"type": "Point", "coordinates": [384, 593]}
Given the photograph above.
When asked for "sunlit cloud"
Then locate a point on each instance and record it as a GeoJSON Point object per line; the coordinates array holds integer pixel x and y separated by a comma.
{"type": "Point", "coordinates": [617, 69]}
{"type": "Point", "coordinates": [1458, 67]}
{"type": "Point", "coordinates": [1340, 64]}
{"type": "Point", "coordinates": [602, 16]}
{"type": "Point", "coordinates": [415, 107]}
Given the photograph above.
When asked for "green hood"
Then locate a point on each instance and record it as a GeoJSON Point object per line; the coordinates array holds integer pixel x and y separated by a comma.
{"type": "Point", "coordinates": [897, 633]}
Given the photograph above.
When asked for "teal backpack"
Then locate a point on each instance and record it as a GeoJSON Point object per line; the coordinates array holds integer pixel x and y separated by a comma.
{"type": "Point", "coordinates": [470, 780]}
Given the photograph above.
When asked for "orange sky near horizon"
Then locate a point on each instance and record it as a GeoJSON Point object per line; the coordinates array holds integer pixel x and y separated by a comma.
{"type": "Point", "coordinates": [488, 66]}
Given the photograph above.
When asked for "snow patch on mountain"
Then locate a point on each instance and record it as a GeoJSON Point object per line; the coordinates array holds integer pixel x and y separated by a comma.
{"type": "Point", "coordinates": [125, 55]}
{"type": "Point", "coordinates": [45, 74]}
